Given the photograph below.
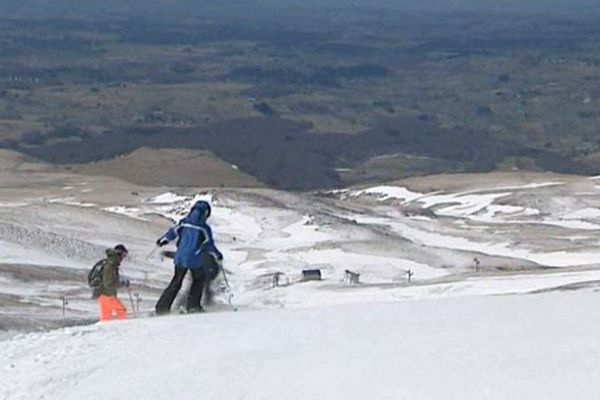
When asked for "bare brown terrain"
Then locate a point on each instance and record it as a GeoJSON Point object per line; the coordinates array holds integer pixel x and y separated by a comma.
{"type": "Point", "coordinates": [307, 96]}
{"type": "Point", "coordinates": [170, 167]}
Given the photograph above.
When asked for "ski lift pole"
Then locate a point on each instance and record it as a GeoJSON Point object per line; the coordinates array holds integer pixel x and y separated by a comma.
{"type": "Point", "coordinates": [138, 300]}
{"type": "Point", "coordinates": [65, 302]}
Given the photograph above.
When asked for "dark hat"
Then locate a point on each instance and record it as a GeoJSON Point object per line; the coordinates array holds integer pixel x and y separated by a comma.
{"type": "Point", "coordinates": [121, 249]}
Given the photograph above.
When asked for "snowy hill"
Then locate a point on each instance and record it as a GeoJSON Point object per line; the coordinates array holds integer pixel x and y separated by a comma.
{"type": "Point", "coordinates": [481, 348]}
{"type": "Point", "coordinates": [531, 238]}
{"type": "Point", "coordinates": [455, 240]}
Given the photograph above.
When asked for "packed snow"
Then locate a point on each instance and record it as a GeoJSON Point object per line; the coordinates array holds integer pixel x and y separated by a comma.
{"type": "Point", "coordinates": [465, 348]}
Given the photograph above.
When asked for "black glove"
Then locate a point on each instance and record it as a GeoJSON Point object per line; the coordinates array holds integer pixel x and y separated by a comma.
{"type": "Point", "coordinates": [125, 283]}
{"type": "Point", "coordinates": [161, 242]}
{"type": "Point", "coordinates": [219, 263]}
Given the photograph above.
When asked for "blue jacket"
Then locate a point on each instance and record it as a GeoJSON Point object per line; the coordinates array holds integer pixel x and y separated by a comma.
{"type": "Point", "coordinates": [194, 238]}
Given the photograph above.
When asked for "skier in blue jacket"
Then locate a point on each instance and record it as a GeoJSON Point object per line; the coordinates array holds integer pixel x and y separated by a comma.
{"type": "Point", "coordinates": [197, 252]}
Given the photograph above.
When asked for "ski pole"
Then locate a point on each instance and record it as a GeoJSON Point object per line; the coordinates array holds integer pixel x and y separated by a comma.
{"type": "Point", "coordinates": [225, 277]}
{"type": "Point", "coordinates": [228, 287]}
{"type": "Point", "coordinates": [131, 300]}
{"type": "Point", "coordinates": [151, 253]}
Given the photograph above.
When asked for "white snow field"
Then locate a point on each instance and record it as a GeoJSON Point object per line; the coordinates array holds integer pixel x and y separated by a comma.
{"type": "Point", "coordinates": [502, 301]}
{"type": "Point", "coordinates": [508, 347]}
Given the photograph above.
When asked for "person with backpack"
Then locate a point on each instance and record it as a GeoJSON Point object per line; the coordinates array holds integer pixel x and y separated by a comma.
{"type": "Point", "coordinates": [196, 251]}
{"type": "Point", "coordinates": [105, 280]}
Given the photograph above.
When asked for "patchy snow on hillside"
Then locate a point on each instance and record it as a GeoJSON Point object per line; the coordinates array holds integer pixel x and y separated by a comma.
{"type": "Point", "coordinates": [13, 204]}
{"type": "Point", "coordinates": [167, 198]}
{"type": "Point", "coordinates": [131, 212]}
{"type": "Point", "coordinates": [493, 212]}
{"type": "Point", "coordinates": [16, 253]}
{"type": "Point", "coordinates": [384, 193]}
{"type": "Point", "coordinates": [170, 205]}
{"type": "Point", "coordinates": [174, 207]}
{"type": "Point", "coordinates": [70, 201]}
{"type": "Point", "coordinates": [261, 240]}
{"type": "Point", "coordinates": [429, 238]}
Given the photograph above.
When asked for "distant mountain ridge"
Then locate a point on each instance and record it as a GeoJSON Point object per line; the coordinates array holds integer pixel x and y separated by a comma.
{"type": "Point", "coordinates": [284, 154]}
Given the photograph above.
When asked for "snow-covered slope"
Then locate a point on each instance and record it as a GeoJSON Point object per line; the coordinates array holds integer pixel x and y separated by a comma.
{"type": "Point", "coordinates": [464, 240]}
{"type": "Point", "coordinates": [440, 335]}
{"type": "Point", "coordinates": [483, 348]}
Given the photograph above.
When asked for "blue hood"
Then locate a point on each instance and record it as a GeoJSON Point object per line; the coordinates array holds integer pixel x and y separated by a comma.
{"type": "Point", "coordinates": [199, 212]}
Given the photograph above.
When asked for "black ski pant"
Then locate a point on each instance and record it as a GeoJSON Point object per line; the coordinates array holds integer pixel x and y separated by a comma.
{"type": "Point", "coordinates": [170, 293]}
{"type": "Point", "coordinates": [194, 301]}
{"type": "Point", "coordinates": [201, 280]}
